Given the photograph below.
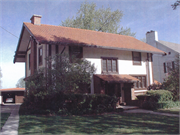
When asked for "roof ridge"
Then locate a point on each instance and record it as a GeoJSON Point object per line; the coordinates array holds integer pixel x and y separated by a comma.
{"type": "Point", "coordinates": [81, 29]}
{"type": "Point", "coordinates": [168, 42]}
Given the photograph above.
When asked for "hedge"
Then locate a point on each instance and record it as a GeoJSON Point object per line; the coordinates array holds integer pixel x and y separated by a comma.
{"type": "Point", "coordinates": [71, 104]}
{"type": "Point", "coordinates": [159, 99]}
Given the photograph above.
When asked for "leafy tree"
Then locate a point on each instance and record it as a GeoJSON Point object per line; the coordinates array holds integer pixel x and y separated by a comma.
{"type": "Point", "coordinates": [0, 78]}
{"type": "Point", "coordinates": [177, 3]}
{"type": "Point", "coordinates": [172, 81]}
{"type": "Point", "coordinates": [21, 83]}
{"type": "Point", "coordinates": [102, 19]}
{"type": "Point", "coordinates": [143, 40]}
{"type": "Point", "coordinates": [63, 76]}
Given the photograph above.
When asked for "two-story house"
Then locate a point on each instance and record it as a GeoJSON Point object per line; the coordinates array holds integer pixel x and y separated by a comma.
{"type": "Point", "coordinates": [162, 63]}
{"type": "Point", "coordinates": [123, 64]}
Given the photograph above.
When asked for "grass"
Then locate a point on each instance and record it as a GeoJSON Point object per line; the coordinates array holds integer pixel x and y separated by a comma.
{"type": "Point", "coordinates": [121, 123]}
{"type": "Point", "coordinates": [4, 117]}
{"type": "Point", "coordinates": [175, 110]}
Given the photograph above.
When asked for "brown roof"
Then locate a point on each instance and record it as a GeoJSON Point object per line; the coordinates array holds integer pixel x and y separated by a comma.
{"type": "Point", "coordinates": [118, 78]}
{"type": "Point", "coordinates": [66, 36]}
{"type": "Point", "coordinates": [13, 89]}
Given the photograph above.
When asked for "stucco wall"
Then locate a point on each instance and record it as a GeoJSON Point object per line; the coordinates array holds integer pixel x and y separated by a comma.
{"type": "Point", "coordinates": [125, 65]}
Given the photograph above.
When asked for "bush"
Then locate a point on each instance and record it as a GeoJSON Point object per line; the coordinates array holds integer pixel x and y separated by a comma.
{"type": "Point", "coordinates": [71, 104]}
{"type": "Point", "coordinates": [158, 99]}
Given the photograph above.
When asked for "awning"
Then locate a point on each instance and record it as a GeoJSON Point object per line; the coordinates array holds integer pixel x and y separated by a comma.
{"type": "Point", "coordinates": [118, 78]}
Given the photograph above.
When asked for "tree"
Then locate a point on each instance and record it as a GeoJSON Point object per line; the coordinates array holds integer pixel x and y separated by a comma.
{"type": "Point", "coordinates": [172, 81]}
{"type": "Point", "coordinates": [143, 40]}
{"type": "Point", "coordinates": [21, 83]}
{"type": "Point", "coordinates": [0, 78]}
{"type": "Point", "coordinates": [177, 3]}
{"type": "Point", "coordinates": [104, 20]}
{"type": "Point", "coordinates": [63, 76]}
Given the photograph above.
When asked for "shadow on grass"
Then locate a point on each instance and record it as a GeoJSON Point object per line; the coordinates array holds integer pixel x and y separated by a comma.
{"type": "Point", "coordinates": [4, 117]}
{"type": "Point", "coordinates": [121, 123]}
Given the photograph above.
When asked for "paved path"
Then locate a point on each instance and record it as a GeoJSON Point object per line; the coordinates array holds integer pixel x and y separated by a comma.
{"type": "Point", "coordinates": [151, 112]}
{"type": "Point", "coordinates": [12, 123]}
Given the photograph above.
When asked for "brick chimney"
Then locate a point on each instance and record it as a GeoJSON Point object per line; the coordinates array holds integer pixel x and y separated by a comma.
{"type": "Point", "coordinates": [36, 19]}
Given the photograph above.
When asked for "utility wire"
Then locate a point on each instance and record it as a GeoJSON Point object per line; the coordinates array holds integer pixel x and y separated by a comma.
{"type": "Point", "coordinates": [9, 32]}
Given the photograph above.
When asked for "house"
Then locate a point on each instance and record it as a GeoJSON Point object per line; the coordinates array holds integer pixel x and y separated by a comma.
{"type": "Point", "coordinates": [162, 63]}
{"type": "Point", "coordinates": [12, 95]}
{"type": "Point", "coordinates": [123, 64]}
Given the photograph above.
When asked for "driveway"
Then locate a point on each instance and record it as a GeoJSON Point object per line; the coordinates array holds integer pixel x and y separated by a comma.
{"type": "Point", "coordinates": [12, 123]}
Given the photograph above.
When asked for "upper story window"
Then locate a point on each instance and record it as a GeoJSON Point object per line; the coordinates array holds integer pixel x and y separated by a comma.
{"type": "Point", "coordinates": [57, 49]}
{"type": "Point", "coordinates": [29, 59]}
{"type": "Point", "coordinates": [49, 50]}
{"type": "Point", "coordinates": [75, 52]}
{"type": "Point", "coordinates": [140, 84]}
{"type": "Point", "coordinates": [109, 65]}
{"type": "Point", "coordinates": [168, 66]}
{"type": "Point", "coordinates": [136, 57]}
{"type": "Point", "coordinates": [40, 56]}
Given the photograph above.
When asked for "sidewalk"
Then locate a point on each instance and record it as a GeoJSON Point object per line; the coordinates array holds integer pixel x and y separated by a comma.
{"type": "Point", "coordinates": [151, 112]}
{"type": "Point", "coordinates": [12, 123]}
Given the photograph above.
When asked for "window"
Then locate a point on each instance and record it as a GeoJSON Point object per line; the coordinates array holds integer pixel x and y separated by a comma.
{"type": "Point", "coordinates": [164, 65]}
{"type": "Point", "coordinates": [29, 58]}
{"type": "Point", "coordinates": [75, 52]}
{"type": "Point", "coordinates": [57, 49]}
{"type": "Point", "coordinates": [173, 65]}
{"type": "Point", "coordinates": [40, 56]}
{"type": "Point", "coordinates": [109, 65]}
{"type": "Point", "coordinates": [140, 84]}
{"type": "Point", "coordinates": [49, 50]}
{"type": "Point", "coordinates": [136, 56]}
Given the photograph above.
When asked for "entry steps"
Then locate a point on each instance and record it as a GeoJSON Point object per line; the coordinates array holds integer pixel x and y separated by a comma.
{"type": "Point", "coordinates": [127, 107]}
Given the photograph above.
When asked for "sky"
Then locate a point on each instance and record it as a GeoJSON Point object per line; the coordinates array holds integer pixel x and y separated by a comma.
{"type": "Point", "coordinates": [139, 15]}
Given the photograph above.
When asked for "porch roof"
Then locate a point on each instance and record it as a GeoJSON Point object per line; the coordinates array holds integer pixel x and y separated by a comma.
{"type": "Point", "coordinates": [118, 78]}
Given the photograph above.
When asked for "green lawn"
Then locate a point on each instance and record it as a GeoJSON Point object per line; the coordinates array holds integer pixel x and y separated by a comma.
{"type": "Point", "coordinates": [4, 117]}
{"type": "Point", "coordinates": [121, 123]}
{"type": "Point", "coordinates": [170, 110]}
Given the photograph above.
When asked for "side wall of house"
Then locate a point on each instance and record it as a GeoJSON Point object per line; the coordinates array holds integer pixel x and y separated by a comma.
{"type": "Point", "coordinates": [158, 61]}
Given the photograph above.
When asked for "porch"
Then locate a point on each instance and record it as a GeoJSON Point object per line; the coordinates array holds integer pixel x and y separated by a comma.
{"type": "Point", "coordinates": [117, 85]}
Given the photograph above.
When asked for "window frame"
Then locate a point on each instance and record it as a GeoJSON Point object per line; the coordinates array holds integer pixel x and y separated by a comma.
{"type": "Point", "coordinates": [29, 58]}
{"type": "Point", "coordinates": [40, 57]}
{"type": "Point", "coordinates": [72, 53]}
{"type": "Point", "coordinates": [106, 59]}
{"type": "Point", "coordinates": [50, 50]}
{"type": "Point", "coordinates": [136, 62]}
{"type": "Point", "coordinates": [139, 85]}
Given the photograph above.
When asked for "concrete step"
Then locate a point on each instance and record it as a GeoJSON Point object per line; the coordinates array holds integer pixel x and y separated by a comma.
{"type": "Point", "coordinates": [127, 107]}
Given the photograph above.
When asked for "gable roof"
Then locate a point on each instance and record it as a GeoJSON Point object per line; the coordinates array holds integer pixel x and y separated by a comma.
{"type": "Point", "coordinates": [173, 46]}
{"type": "Point", "coordinates": [67, 35]}
{"type": "Point", "coordinates": [59, 35]}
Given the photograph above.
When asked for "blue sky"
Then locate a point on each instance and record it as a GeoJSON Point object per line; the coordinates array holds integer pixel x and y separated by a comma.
{"type": "Point", "coordinates": [140, 15]}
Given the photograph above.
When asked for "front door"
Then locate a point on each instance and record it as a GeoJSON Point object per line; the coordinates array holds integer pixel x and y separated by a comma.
{"type": "Point", "coordinates": [127, 93]}
{"type": "Point", "coordinates": [114, 89]}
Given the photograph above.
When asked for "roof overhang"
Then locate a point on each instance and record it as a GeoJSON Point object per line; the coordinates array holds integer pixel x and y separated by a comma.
{"type": "Point", "coordinates": [118, 78]}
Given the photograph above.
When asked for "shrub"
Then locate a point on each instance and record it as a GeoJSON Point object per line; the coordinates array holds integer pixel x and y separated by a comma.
{"type": "Point", "coordinates": [158, 99]}
{"type": "Point", "coordinates": [71, 104]}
